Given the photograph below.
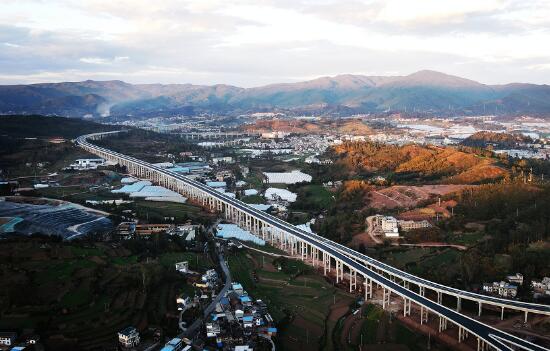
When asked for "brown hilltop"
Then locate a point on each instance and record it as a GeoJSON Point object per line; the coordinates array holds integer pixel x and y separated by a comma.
{"type": "Point", "coordinates": [445, 164]}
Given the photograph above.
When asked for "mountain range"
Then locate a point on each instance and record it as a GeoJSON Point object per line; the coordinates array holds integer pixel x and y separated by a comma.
{"type": "Point", "coordinates": [421, 93]}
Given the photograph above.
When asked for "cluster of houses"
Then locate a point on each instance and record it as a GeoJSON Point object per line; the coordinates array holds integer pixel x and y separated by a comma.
{"type": "Point", "coordinates": [11, 341]}
{"type": "Point", "coordinates": [84, 164]}
{"type": "Point", "coordinates": [239, 320]}
{"type": "Point", "coordinates": [541, 288]}
{"type": "Point", "coordinates": [507, 289]}
{"type": "Point", "coordinates": [389, 226]}
{"type": "Point", "coordinates": [132, 230]}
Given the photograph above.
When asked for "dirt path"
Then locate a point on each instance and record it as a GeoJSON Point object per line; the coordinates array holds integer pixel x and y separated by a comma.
{"type": "Point", "coordinates": [454, 246]}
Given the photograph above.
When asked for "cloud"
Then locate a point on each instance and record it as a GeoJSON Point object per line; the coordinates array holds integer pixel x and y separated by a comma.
{"type": "Point", "coordinates": [248, 43]}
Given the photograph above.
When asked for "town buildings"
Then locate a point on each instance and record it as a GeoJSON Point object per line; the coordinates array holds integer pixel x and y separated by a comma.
{"type": "Point", "coordinates": [239, 320]}
{"type": "Point", "coordinates": [7, 338]}
{"type": "Point", "coordinates": [541, 287]}
{"type": "Point", "coordinates": [411, 225]}
{"type": "Point", "coordinates": [87, 163]}
{"type": "Point", "coordinates": [503, 289]}
{"type": "Point", "coordinates": [128, 337]}
{"type": "Point", "coordinates": [383, 225]}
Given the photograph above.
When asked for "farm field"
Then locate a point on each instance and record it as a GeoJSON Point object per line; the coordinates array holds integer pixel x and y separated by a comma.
{"type": "Point", "coordinates": [312, 314]}
{"type": "Point", "coordinates": [299, 300]}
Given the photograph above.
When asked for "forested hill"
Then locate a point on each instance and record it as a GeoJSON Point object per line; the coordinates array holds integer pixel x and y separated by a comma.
{"type": "Point", "coordinates": [485, 138]}
{"type": "Point", "coordinates": [424, 92]}
{"type": "Point", "coordinates": [36, 126]}
{"type": "Point", "coordinates": [417, 162]}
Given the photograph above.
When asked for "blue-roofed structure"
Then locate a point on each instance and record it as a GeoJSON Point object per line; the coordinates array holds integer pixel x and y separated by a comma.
{"type": "Point", "coordinates": [216, 184]}
{"type": "Point", "coordinates": [248, 318]}
{"type": "Point", "coordinates": [179, 169]}
{"type": "Point", "coordinates": [245, 299]}
{"type": "Point", "coordinates": [173, 345]}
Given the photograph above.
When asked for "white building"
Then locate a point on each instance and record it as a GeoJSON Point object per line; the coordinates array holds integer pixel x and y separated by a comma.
{"type": "Point", "coordinates": [516, 278]}
{"type": "Point", "coordinates": [128, 337]}
{"type": "Point", "coordinates": [386, 225]}
{"type": "Point", "coordinates": [7, 338]}
{"type": "Point", "coordinates": [182, 267]}
{"type": "Point", "coordinates": [87, 163]}
{"type": "Point", "coordinates": [411, 225]}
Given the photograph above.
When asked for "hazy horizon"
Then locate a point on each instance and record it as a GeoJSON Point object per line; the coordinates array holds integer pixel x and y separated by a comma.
{"type": "Point", "coordinates": [263, 85]}
{"type": "Point", "coordinates": [248, 43]}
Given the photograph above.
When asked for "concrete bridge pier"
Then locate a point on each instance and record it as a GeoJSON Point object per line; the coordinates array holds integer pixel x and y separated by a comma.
{"type": "Point", "coordinates": [386, 298]}
{"type": "Point", "coordinates": [352, 280]}
{"type": "Point", "coordinates": [423, 315]}
{"type": "Point", "coordinates": [442, 324]}
{"type": "Point", "coordinates": [368, 288]}
{"type": "Point", "coordinates": [406, 307]}
{"type": "Point", "coordinates": [462, 334]}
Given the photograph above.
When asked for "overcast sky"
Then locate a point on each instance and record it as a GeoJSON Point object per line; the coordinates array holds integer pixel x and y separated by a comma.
{"type": "Point", "coordinates": [251, 43]}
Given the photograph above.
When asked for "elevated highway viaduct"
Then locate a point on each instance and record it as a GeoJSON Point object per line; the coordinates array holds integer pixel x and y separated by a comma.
{"type": "Point", "coordinates": [359, 268]}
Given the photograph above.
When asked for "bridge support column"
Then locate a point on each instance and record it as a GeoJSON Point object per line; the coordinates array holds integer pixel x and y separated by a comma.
{"type": "Point", "coordinates": [421, 291]}
{"type": "Point", "coordinates": [439, 297]}
{"type": "Point", "coordinates": [502, 314]}
{"type": "Point", "coordinates": [337, 271]}
{"type": "Point", "coordinates": [462, 334]}
{"type": "Point", "coordinates": [368, 288]}
{"type": "Point", "coordinates": [406, 307]}
{"type": "Point", "coordinates": [525, 318]}
{"type": "Point", "coordinates": [423, 315]}
{"type": "Point", "coordinates": [352, 279]}
{"type": "Point", "coordinates": [481, 345]}
{"type": "Point", "coordinates": [442, 323]}
{"type": "Point", "coordinates": [386, 298]}
{"type": "Point", "coordinates": [479, 307]}
{"type": "Point", "coordinates": [315, 256]}
{"type": "Point", "coordinates": [458, 304]}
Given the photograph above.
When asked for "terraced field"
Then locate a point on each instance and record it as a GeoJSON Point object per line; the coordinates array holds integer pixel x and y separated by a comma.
{"type": "Point", "coordinates": [303, 303]}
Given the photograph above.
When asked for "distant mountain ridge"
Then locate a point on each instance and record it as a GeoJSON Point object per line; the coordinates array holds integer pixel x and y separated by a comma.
{"type": "Point", "coordinates": [423, 92]}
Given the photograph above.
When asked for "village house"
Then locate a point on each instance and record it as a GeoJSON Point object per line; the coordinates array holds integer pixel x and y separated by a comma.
{"type": "Point", "coordinates": [128, 337]}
